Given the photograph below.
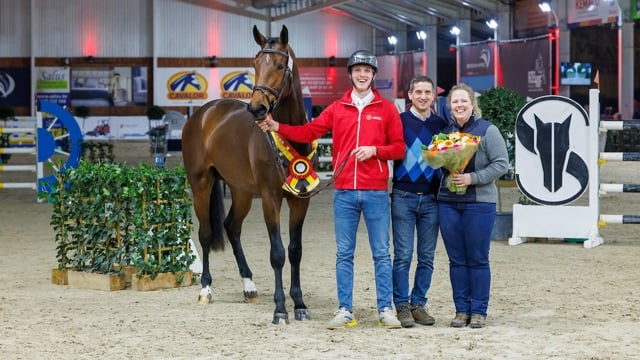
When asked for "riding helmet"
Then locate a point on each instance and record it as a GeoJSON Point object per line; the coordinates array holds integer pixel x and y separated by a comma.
{"type": "Point", "coordinates": [363, 57]}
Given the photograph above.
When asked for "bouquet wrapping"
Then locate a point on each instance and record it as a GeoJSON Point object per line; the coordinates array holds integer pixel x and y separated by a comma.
{"type": "Point", "coordinates": [451, 151]}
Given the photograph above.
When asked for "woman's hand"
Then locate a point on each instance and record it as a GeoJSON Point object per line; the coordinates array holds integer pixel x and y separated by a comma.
{"type": "Point", "coordinates": [268, 124]}
{"type": "Point", "coordinates": [461, 179]}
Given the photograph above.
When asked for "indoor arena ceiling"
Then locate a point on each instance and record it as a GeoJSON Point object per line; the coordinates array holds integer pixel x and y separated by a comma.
{"type": "Point", "coordinates": [383, 15]}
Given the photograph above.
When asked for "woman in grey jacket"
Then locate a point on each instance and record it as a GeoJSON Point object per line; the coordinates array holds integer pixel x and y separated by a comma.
{"type": "Point", "coordinates": [466, 220]}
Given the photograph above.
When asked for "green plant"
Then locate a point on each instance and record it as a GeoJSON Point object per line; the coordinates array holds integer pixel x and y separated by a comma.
{"type": "Point", "coordinates": [7, 112]}
{"type": "Point", "coordinates": [137, 216]}
{"type": "Point", "coordinates": [501, 106]}
{"type": "Point", "coordinates": [155, 112]}
{"type": "Point", "coordinates": [83, 112]}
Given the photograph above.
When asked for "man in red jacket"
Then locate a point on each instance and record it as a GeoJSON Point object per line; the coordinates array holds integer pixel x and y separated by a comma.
{"type": "Point", "coordinates": [367, 132]}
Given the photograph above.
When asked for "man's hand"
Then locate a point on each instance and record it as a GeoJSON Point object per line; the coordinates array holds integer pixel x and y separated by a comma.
{"type": "Point", "coordinates": [268, 124]}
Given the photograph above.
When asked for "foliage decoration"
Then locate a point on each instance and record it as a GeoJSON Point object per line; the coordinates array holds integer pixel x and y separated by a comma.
{"type": "Point", "coordinates": [501, 107]}
{"type": "Point", "coordinates": [155, 112]}
{"type": "Point", "coordinates": [136, 217]}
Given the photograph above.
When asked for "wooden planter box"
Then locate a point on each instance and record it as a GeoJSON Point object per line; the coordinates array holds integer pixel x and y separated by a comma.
{"type": "Point", "coordinates": [162, 281]}
{"type": "Point", "coordinates": [86, 280]}
{"type": "Point", "coordinates": [59, 277]}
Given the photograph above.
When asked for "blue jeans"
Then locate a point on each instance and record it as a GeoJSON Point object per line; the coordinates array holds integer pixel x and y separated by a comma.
{"type": "Point", "coordinates": [374, 206]}
{"type": "Point", "coordinates": [466, 232]}
{"type": "Point", "coordinates": [410, 212]}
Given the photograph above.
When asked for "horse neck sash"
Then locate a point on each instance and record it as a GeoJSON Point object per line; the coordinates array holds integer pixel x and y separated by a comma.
{"type": "Point", "coordinates": [301, 172]}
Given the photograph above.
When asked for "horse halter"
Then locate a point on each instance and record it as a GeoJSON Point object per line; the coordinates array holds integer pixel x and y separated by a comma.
{"type": "Point", "coordinates": [287, 75]}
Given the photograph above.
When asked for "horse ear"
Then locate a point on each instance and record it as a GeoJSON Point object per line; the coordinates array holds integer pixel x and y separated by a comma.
{"type": "Point", "coordinates": [258, 37]}
{"type": "Point", "coordinates": [284, 35]}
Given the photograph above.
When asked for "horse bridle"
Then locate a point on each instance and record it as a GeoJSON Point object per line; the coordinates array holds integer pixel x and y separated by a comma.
{"type": "Point", "coordinates": [267, 89]}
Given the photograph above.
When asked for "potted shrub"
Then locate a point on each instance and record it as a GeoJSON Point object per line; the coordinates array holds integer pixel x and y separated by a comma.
{"type": "Point", "coordinates": [501, 106]}
{"type": "Point", "coordinates": [155, 112]}
{"type": "Point", "coordinates": [6, 113]}
{"type": "Point", "coordinates": [157, 130]}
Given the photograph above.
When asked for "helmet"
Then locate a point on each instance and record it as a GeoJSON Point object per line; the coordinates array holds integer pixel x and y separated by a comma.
{"type": "Point", "coordinates": [363, 57]}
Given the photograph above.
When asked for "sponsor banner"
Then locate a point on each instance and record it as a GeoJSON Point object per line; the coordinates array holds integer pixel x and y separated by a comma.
{"type": "Point", "coordinates": [592, 12]}
{"type": "Point", "coordinates": [478, 83]}
{"type": "Point", "coordinates": [114, 128]}
{"type": "Point", "coordinates": [324, 84]}
{"type": "Point", "coordinates": [476, 59]}
{"type": "Point", "coordinates": [526, 67]}
{"type": "Point", "coordinates": [14, 86]}
{"type": "Point", "coordinates": [117, 86]}
{"type": "Point", "coordinates": [53, 85]}
{"type": "Point", "coordinates": [385, 80]}
{"type": "Point", "coordinates": [477, 66]}
{"type": "Point", "coordinates": [410, 65]}
{"type": "Point", "coordinates": [197, 86]}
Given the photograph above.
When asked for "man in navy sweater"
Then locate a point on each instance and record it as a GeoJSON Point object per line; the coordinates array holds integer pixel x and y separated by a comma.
{"type": "Point", "coordinates": [414, 206]}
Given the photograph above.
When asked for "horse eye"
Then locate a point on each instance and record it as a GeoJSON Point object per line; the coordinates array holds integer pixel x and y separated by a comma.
{"type": "Point", "coordinates": [280, 66]}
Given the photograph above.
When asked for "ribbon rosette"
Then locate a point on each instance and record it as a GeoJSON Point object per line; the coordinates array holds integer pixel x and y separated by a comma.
{"type": "Point", "coordinates": [451, 151]}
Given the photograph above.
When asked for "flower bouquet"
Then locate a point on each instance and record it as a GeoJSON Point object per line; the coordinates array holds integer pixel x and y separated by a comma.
{"type": "Point", "coordinates": [451, 151]}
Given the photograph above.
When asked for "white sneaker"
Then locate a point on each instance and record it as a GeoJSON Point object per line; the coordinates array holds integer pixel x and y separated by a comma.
{"type": "Point", "coordinates": [388, 319]}
{"type": "Point", "coordinates": [343, 318]}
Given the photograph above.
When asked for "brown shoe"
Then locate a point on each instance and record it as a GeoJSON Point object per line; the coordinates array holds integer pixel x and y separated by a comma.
{"type": "Point", "coordinates": [404, 315]}
{"type": "Point", "coordinates": [461, 320]}
{"type": "Point", "coordinates": [421, 315]}
{"type": "Point", "coordinates": [477, 321]}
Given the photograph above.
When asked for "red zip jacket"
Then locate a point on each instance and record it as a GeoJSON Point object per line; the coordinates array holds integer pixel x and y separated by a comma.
{"type": "Point", "coordinates": [378, 125]}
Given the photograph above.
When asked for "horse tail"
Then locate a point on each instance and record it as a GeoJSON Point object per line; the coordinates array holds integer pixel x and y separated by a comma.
{"type": "Point", "coordinates": [216, 213]}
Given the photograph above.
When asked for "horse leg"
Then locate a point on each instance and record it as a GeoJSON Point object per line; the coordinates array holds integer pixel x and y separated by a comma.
{"type": "Point", "coordinates": [240, 206]}
{"type": "Point", "coordinates": [209, 209]}
{"type": "Point", "coordinates": [271, 204]}
{"type": "Point", "coordinates": [297, 213]}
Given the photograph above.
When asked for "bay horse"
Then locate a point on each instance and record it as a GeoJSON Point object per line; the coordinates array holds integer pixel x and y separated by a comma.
{"type": "Point", "coordinates": [222, 143]}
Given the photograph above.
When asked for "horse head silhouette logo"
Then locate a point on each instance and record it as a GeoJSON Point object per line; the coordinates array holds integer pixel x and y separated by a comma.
{"type": "Point", "coordinates": [7, 85]}
{"type": "Point", "coordinates": [549, 141]}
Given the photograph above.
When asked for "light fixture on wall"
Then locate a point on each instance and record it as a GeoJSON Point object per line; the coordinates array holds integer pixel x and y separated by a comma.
{"type": "Point", "coordinates": [213, 61]}
{"type": "Point", "coordinates": [545, 7]}
{"type": "Point", "coordinates": [493, 25]}
{"type": "Point", "coordinates": [332, 61]}
{"type": "Point", "coordinates": [66, 61]}
{"type": "Point", "coordinates": [393, 41]}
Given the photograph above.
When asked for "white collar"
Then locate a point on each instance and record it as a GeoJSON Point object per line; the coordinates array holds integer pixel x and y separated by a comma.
{"type": "Point", "coordinates": [359, 102]}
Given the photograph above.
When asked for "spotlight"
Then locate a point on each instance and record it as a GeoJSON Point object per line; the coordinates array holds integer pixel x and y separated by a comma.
{"type": "Point", "coordinates": [213, 61]}
{"type": "Point", "coordinates": [66, 61]}
{"type": "Point", "coordinates": [332, 61]}
{"type": "Point", "coordinates": [90, 59]}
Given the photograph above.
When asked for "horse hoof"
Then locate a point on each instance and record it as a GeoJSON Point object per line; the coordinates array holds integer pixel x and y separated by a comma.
{"type": "Point", "coordinates": [205, 299]}
{"type": "Point", "coordinates": [302, 314]}
{"type": "Point", "coordinates": [279, 316]}
{"type": "Point", "coordinates": [251, 297]}
{"type": "Point", "coordinates": [205, 296]}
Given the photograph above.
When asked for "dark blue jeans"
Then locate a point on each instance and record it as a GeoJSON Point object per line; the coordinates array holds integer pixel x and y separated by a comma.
{"type": "Point", "coordinates": [466, 232]}
{"type": "Point", "coordinates": [411, 212]}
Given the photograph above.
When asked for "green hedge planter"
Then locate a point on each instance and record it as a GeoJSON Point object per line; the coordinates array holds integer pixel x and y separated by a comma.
{"type": "Point", "coordinates": [109, 216]}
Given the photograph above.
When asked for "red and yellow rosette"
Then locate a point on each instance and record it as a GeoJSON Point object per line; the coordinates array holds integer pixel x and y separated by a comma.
{"type": "Point", "coordinates": [301, 172]}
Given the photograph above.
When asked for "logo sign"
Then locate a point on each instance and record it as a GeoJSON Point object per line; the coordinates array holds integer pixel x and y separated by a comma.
{"type": "Point", "coordinates": [237, 85]}
{"type": "Point", "coordinates": [7, 85]}
{"type": "Point", "coordinates": [551, 150]}
{"type": "Point", "coordinates": [187, 85]}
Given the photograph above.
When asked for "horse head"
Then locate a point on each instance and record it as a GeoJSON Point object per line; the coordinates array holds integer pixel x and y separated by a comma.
{"type": "Point", "coordinates": [273, 66]}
